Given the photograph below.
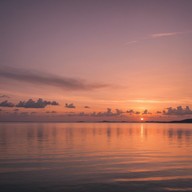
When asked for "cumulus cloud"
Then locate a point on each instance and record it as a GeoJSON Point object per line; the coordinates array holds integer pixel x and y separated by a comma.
{"type": "Point", "coordinates": [132, 112]}
{"type": "Point", "coordinates": [178, 111]}
{"type": "Point", "coordinates": [118, 111]}
{"type": "Point", "coordinates": [54, 103]}
{"type": "Point", "coordinates": [42, 78]}
{"type": "Point", "coordinates": [6, 104]}
{"type": "Point", "coordinates": [40, 103]}
{"type": "Point", "coordinates": [108, 112]}
{"type": "Point", "coordinates": [70, 105]}
{"type": "Point", "coordinates": [146, 112]}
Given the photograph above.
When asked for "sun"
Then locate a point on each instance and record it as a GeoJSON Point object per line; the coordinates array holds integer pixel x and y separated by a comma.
{"type": "Point", "coordinates": [142, 118]}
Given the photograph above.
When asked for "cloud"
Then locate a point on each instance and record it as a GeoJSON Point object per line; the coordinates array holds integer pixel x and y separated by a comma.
{"type": "Point", "coordinates": [178, 111]}
{"type": "Point", "coordinates": [70, 105]}
{"type": "Point", "coordinates": [158, 112]}
{"type": "Point", "coordinates": [108, 112]}
{"type": "Point", "coordinates": [146, 112]}
{"type": "Point", "coordinates": [167, 34]}
{"type": "Point", "coordinates": [159, 35]}
{"type": "Point", "coordinates": [86, 107]}
{"type": "Point", "coordinates": [42, 78]}
{"type": "Point", "coordinates": [132, 112]}
{"type": "Point", "coordinates": [6, 104]}
{"type": "Point", "coordinates": [40, 103]}
{"type": "Point", "coordinates": [4, 96]}
{"type": "Point", "coordinates": [118, 111]}
{"type": "Point", "coordinates": [54, 103]}
{"type": "Point", "coordinates": [131, 42]}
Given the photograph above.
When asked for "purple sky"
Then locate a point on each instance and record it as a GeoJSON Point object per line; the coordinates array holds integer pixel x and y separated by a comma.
{"type": "Point", "coordinates": [102, 54]}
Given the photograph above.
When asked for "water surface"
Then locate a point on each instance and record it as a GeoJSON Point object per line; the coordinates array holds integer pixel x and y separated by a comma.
{"type": "Point", "coordinates": [75, 157]}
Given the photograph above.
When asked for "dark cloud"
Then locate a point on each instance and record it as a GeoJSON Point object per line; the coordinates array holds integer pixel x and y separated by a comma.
{"type": "Point", "coordinates": [6, 104]}
{"type": "Point", "coordinates": [108, 112]}
{"type": "Point", "coordinates": [40, 103]}
{"type": "Point", "coordinates": [178, 111]}
{"type": "Point", "coordinates": [41, 78]}
{"type": "Point", "coordinates": [70, 105]}
{"type": "Point", "coordinates": [54, 103]}
{"type": "Point", "coordinates": [132, 112]}
{"type": "Point", "coordinates": [4, 96]}
{"type": "Point", "coordinates": [118, 111]}
{"type": "Point", "coordinates": [158, 112]}
{"type": "Point", "coordinates": [146, 112]}
{"type": "Point", "coordinates": [86, 107]}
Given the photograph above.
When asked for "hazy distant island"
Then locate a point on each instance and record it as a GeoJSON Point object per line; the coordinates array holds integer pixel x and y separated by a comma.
{"type": "Point", "coordinates": [179, 121]}
{"type": "Point", "coordinates": [103, 121]}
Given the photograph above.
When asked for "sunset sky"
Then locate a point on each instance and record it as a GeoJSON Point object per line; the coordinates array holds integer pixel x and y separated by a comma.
{"type": "Point", "coordinates": [95, 60]}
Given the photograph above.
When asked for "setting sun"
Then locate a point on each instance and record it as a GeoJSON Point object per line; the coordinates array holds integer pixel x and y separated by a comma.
{"type": "Point", "coordinates": [142, 118]}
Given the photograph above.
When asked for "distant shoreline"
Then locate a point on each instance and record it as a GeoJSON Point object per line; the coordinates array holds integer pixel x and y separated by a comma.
{"type": "Point", "coordinates": [186, 121]}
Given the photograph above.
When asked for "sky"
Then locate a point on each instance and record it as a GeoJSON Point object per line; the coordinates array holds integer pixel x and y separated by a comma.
{"type": "Point", "coordinates": [88, 60]}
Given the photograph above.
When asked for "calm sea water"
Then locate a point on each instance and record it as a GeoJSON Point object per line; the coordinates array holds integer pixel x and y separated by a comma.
{"type": "Point", "coordinates": [92, 157]}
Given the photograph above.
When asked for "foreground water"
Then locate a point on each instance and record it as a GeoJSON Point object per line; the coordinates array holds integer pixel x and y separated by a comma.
{"type": "Point", "coordinates": [98, 157]}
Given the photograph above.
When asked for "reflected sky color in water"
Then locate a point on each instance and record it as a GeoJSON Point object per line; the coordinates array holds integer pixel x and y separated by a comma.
{"type": "Point", "coordinates": [95, 157]}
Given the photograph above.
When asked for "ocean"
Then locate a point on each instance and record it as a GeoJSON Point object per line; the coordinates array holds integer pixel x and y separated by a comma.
{"type": "Point", "coordinates": [94, 157]}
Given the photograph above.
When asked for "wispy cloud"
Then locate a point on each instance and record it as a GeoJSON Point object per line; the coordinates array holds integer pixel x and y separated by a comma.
{"type": "Point", "coordinates": [131, 42]}
{"type": "Point", "coordinates": [158, 35]}
{"type": "Point", "coordinates": [42, 78]}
